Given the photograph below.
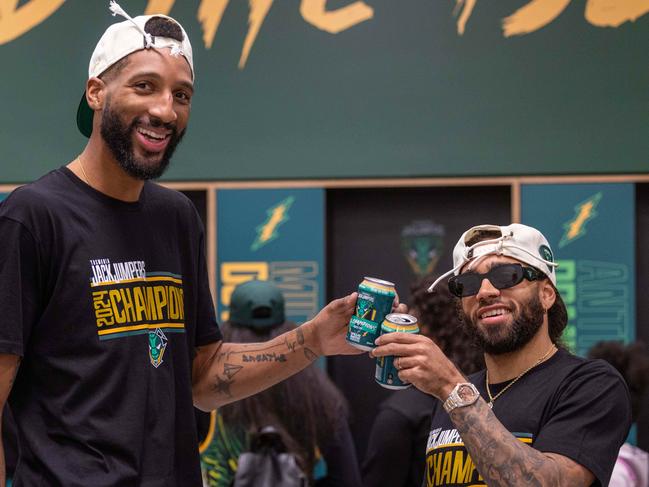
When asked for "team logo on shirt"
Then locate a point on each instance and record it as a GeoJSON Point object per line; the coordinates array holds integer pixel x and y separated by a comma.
{"type": "Point", "coordinates": [157, 346]}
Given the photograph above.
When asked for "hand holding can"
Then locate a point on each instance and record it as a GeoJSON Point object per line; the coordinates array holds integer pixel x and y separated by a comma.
{"type": "Point", "coordinates": [374, 303]}
{"type": "Point", "coordinates": [387, 374]}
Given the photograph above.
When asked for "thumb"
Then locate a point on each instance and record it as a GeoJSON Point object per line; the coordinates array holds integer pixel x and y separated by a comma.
{"type": "Point", "coordinates": [344, 303]}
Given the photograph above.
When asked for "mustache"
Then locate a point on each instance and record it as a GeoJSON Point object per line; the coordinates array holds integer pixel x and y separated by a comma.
{"type": "Point", "coordinates": [155, 123]}
{"type": "Point", "coordinates": [490, 301]}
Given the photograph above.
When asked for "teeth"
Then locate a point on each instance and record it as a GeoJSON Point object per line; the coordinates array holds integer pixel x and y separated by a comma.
{"type": "Point", "coordinates": [494, 312]}
{"type": "Point", "coordinates": [151, 134]}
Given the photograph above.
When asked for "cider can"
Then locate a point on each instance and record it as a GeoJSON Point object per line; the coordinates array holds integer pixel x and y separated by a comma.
{"type": "Point", "coordinates": [374, 303]}
{"type": "Point", "coordinates": [387, 374]}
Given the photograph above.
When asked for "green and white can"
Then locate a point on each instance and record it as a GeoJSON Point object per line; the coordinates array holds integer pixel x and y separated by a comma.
{"type": "Point", "coordinates": [374, 303]}
{"type": "Point", "coordinates": [387, 374]}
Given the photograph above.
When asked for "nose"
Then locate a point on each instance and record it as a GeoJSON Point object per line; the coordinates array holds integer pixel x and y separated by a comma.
{"type": "Point", "coordinates": [487, 290]}
{"type": "Point", "coordinates": [163, 108]}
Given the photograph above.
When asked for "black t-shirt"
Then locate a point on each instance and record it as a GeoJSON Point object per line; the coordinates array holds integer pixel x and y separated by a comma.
{"type": "Point", "coordinates": [105, 301]}
{"type": "Point", "coordinates": [396, 449]}
{"type": "Point", "coordinates": [568, 405]}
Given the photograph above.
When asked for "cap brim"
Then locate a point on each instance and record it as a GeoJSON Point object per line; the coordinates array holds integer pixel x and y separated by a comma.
{"type": "Point", "coordinates": [84, 117]}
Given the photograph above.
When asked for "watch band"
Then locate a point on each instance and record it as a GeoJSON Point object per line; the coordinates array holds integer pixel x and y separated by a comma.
{"type": "Point", "coordinates": [457, 398]}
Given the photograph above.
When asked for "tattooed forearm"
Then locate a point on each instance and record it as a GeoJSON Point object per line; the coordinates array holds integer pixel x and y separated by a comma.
{"type": "Point", "coordinates": [226, 372]}
{"type": "Point", "coordinates": [502, 460]}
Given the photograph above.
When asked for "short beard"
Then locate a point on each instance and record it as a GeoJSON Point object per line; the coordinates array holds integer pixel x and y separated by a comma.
{"type": "Point", "coordinates": [521, 331]}
{"type": "Point", "coordinates": [118, 138]}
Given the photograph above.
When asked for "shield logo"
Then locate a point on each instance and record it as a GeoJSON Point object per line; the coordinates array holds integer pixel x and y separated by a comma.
{"type": "Point", "coordinates": [157, 346]}
{"type": "Point", "coordinates": [422, 242]}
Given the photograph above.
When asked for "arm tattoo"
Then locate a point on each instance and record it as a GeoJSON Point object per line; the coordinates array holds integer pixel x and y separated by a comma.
{"type": "Point", "coordinates": [310, 356]}
{"type": "Point", "coordinates": [230, 369]}
{"type": "Point", "coordinates": [265, 357]}
{"type": "Point", "coordinates": [308, 353]}
{"type": "Point", "coordinates": [222, 386]}
{"type": "Point", "coordinates": [502, 460]}
{"type": "Point", "coordinates": [289, 345]}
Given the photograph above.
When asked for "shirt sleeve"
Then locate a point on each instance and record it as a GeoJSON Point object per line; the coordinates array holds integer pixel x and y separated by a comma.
{"type": "Point", "coordinates": [207, 328]}
{"type": "Point", "coordinates": [590, 420]}
{"type": "Point", "coordinates": [20, 296]}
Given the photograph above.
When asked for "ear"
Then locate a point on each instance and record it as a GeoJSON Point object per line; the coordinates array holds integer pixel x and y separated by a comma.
{"type": "Point", "coordinates": [547, 294]}
{"type": "Point", "coordinates": [95, 93]}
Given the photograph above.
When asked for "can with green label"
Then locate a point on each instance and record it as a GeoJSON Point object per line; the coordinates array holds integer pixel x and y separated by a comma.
{"type": "Point", "coordinates": [374, 303]}
{"type": "Point", "coordinates": [387, 374]}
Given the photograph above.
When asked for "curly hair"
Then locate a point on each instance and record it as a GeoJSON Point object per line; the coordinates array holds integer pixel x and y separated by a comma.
{"type": "Point", "coordinates": [632, 362]}
{"type": "Point", "coordinates": [439, 321]}
{"type": "Point", "coordinates": [304, 408]}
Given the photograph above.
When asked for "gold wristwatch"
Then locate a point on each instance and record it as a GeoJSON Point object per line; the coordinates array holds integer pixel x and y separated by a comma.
{"type": "Point", "coordinates": [463, 394]}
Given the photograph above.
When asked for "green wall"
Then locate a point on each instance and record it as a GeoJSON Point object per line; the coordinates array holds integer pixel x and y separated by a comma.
{"type": "Point", "coordinates": [400, 94]}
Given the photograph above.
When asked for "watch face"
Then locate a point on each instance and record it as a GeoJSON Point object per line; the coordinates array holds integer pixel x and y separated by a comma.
{"type": "Point", "coordinates": [466, 393]}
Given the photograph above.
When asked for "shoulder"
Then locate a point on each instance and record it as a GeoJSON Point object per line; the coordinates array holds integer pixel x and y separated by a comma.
{"type": "Point", "coordinates": [574, 368]}
{"type": "Point", "coordinates": [590, 380]}
{"type": "Point", "coordinates": [161, 197]}
{"type": "Point", "coordinates": [48, 187]}
{"type": "Point", "coordinates": [35, 200]}
{"type": "Point", "coordinates": [157, 193]}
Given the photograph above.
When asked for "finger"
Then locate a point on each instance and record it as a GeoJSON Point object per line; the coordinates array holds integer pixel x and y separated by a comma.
{"type": "Point", "coordinates": [406, 362]}
{"type": "Point", "coordinates": [398, 337]}
{"type": "Point", "coordinates": [344, 304]}
{"type": "Point", "coordinates": [402, 308]}
{"type": "Point", "coordinates": [396, 349]}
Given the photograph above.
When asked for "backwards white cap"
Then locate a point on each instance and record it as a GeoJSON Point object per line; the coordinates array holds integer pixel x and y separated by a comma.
{"type": "Point", "coordinates": [122, 39]}
{"type": "Point", "coordinates": [520, 242]}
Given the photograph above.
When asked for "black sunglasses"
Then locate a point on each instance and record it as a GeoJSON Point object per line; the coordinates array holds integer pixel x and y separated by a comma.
{"type": "Point", "coordinates": [500, 277]}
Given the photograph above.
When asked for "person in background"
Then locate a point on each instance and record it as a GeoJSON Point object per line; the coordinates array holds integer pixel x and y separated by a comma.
{"type": "Point", "coordinates": [307, 409]}
{"type": "Point", "coordinates": [400, 429]}
{"type": "Point", "coordinates": [632, 362]}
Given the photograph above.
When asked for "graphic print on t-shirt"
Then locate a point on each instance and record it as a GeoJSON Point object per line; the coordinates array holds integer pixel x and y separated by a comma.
{"type": "Point", "coordinates": [449, 464]}
{"type": "Point", "coordinates": [127, 300]}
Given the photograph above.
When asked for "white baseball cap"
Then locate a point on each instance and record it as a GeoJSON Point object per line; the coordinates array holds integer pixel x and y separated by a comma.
{"type": "Point", "coordinates": [120, 40]}
{"type": "Point", "coordinates": [521, 242]}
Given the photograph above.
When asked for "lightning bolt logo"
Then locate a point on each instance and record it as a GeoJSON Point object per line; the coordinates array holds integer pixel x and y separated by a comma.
{"type": "Point", "coordinates": [267, 231]}
{"type": "Point", "coordinates": [584, 212]}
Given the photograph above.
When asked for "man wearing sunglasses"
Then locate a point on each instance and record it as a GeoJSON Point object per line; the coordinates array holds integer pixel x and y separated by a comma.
{"type": "Point", "coordinates": [537, 415]}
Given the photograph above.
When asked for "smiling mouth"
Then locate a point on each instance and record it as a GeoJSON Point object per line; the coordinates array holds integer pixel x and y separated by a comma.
{"type": "Point", "coordinates": [492, 313]}
{"type": "Point", "coordinates": [152, 141]}
{"type": "Point", "coordinates": [151, 135]}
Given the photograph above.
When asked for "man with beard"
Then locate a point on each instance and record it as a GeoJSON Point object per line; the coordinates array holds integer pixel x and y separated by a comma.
{"type": "Point", "coordinates": [108, 336]}
{"type": "Point", "coordinates": [537, 415]}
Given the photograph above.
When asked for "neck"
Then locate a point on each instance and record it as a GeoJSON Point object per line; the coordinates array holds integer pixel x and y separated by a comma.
{"type": "Point", "coordinates": [97, 167]}
{"type": "Point", "coordinates": [507, 366]}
